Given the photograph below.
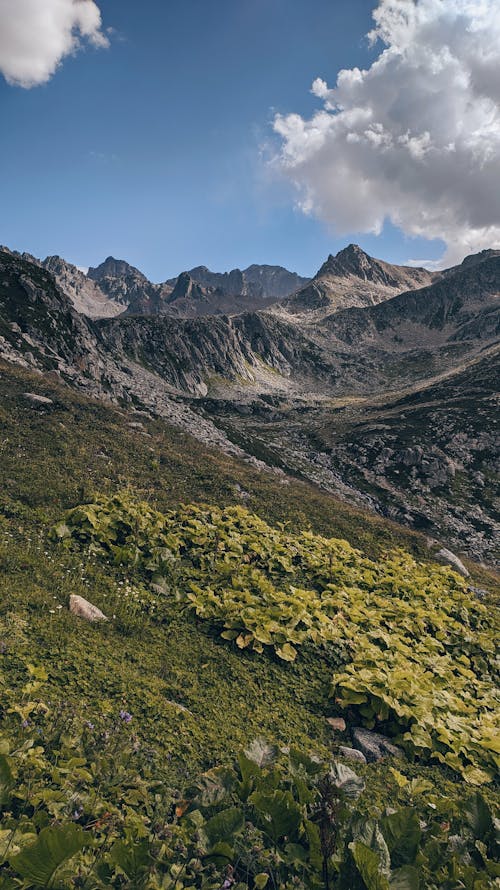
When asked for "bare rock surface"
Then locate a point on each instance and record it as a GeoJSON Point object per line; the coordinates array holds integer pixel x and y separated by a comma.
{"type": "Point", "coordinates": [373, 745]}
{"type": "Point", "coordinates": [81, 607]}
{"type": "Point", "coordinates": [37, 399]}
{"type": "Point", "coordinates": [448, 558]}
{"type": "Point", "coordinates": [352, 754]}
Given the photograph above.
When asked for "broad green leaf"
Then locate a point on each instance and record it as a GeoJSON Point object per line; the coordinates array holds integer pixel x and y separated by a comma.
{"type": "Point", "coordinates": [262, 753]}
{"type": "Point", "coordinates": [346, 780]}
{"type": "Point", "coordinates": [220, 853]}
{"type": "Point", "coordinates": [402, 833]}
{"type": "Point", "coordinates": [214, 786]}
{"type": "Point", "coordinates": [478, 816]}
{"type": "Point", "coordinates": [286, 652]}
{"type": "Point", "coordinates": [39, 862]}
{"type": "Point", "coordinates": [280, 814]}
{"type": "Point", "coordinates": [6, 781]}
{"type": "Point", "coordinates": [132, 857]}
{"type": "Point", "coordinates": [368, 832]}
{"type": "Point", "coordinates": [224, 826]}
{"type": "Point", "coordinates": [368, 865]}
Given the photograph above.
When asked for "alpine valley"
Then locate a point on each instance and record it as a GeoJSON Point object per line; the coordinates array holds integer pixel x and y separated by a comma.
{"type": "Point", "coordinates": [375, 382]}
{"type": "Point", "coordinates": [249, 577]}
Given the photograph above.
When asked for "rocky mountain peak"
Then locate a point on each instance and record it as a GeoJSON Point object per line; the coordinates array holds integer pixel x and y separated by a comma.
{"type": "Point", "coordinates": [475, 258]}
{"type": "Point", "coordinates": [113, 268]}
{"type": "Point", "coordinates": [354, 278]}
{"type": "Point", "coordinates": [186, 287]}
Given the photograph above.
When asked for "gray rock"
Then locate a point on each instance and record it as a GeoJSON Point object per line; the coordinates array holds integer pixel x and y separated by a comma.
{"type": "Point", "coordinates": [373, 745]}
{"type": "Point", "coordinates": [352, 754]}
{"type": "Point", "coordinates": [479, 592]}
{"type": "Point", "coordinates": [448, 558]}
{"type": "Point", "coordinates": [36, 399]}
{"type": "Point", "coordinates": [336, 723]}
{"type": "Point", "coordinates": [81, 607]}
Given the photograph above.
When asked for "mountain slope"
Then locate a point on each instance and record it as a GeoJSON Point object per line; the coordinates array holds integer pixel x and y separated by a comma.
{"type": "Point", "coordinates": [263, 385]}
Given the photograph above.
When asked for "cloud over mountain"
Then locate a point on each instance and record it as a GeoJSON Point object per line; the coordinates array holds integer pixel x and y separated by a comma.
{"type": "Point", "coordinates": [415, 138]}
{"type": "Point", "coordinates": [35, 35]}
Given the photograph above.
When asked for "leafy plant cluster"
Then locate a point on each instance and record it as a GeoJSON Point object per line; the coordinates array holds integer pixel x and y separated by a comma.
{"type": "Point", "coordinates": [82, 806]}
{"type": "Point", "coordinates": [418, 652]}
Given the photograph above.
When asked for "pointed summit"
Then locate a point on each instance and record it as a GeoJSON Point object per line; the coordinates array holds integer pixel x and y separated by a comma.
{"type": "Point", "coordinates": [354, 278]}
{"type": "Point", "coordinates": [353, 261]}
{"type": "Point", "coordinates": [113, 268]}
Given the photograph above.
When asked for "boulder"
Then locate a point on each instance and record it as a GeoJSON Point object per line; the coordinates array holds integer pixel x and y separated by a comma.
{"type": "Point", "coordinates": [36, 399]}
{"type": "Point", "coordinates": [373, 745]}
{"type": "Point", "coordinates": [337, 723]}
{"type": "Point", "coordinates": [352, 754]}
{"type": "Point", "coordinates": [448, 558]}
{"type": "Point", "coordinates": [81, 607]}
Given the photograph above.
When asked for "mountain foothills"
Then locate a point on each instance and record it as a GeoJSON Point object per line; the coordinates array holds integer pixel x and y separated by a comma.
{"type": "Point", "coordinates": [376, 382]}
{"type": "Point", "coordinates": [248, 623]}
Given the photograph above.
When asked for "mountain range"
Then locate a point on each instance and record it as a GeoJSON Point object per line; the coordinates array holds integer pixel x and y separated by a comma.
{"type": "Point", "coordinates": [115, 287]}
{"type": "Point", "coordinates": [374, 381]}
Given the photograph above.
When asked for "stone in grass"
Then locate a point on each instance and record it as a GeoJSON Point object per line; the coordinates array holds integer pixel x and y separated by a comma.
{"type": "Point", "coordinates": [337, 723]}
{"type": "Point", "coordinates": [352, 754]}
{"type": "Point", "coordinates": [81, 607]}
{"type": "Point", "coordinates": [36, 399]}
{"type": "Point", "coordinates": [448, 558]}
{"type": "Point", "coordinates": [373, 745]}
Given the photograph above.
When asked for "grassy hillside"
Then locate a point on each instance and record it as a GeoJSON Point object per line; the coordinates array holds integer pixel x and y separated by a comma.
{"type": "Point", "coordinates": [106, 728]}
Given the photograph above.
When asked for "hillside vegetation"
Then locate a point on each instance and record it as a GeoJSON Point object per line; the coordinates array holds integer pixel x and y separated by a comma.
{"type": "Point", "coordinates": [183, 743]}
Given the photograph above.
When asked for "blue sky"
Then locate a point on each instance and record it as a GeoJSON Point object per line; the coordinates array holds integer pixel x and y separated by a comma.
{"type": "Point", "coordinates": [150, 150]}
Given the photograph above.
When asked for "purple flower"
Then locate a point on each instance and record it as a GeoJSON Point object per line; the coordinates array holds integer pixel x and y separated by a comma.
{"type": "Point", "coordinates": [89, 725]}
{"type": "Point", "coordinates": [25, 724]}
{"type": "Point", "coordinates": [125, 716]}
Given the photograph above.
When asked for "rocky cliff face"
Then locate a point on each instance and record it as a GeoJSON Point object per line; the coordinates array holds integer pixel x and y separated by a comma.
{"type": "Point", "coordinates": [87, 296]}
{"type": "Point", "coordinates": [260, 282]}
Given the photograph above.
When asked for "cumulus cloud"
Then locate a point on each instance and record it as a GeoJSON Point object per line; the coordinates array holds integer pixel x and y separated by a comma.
{"type": "Point", "coordinates": [35, 35]}
{"type": "Point", "coordinates": [415, 138]}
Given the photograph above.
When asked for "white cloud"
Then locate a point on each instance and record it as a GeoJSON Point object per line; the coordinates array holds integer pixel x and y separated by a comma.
{"type": "Point", "coordinates": [35, 35]}
{"type": "Point", "coordinates": [416, 137]}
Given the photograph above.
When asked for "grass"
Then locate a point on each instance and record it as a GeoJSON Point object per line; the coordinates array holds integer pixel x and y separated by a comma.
{"type": "Point", "coordinates": [194, 699]}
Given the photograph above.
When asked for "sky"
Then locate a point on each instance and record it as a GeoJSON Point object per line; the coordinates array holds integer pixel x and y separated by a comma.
{"type": "Point", "coordinates": [174, 133]}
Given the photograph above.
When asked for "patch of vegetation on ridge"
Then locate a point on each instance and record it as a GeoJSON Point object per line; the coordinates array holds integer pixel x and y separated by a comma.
{"type": "Point", "coordinates": [418, 650]}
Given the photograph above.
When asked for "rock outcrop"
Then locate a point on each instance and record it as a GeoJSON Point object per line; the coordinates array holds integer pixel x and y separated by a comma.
{"type": "Point", "coordinates": [81, 607]}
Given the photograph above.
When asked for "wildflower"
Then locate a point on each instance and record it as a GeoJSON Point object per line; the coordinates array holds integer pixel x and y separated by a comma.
{"type": "Point", "coordinates": [125, 716]}
{"type": "Point", "coordinates": [25, 724]}
{"type": "Point", "coordinates": [89, 725]}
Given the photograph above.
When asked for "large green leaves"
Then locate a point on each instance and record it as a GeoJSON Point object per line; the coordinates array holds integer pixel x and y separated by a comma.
{"type": "Point", "coordinates": [39, 862]}
{"type": "Point", "coordinates": [417, 649]}
{"type": "Point", "coordinates": [346, 780]}
{"type": "Point", "coordinates": [224, 826]}
{"type": "Point", "coordinates": [402, 833]}
{"type": "Point", "coordinates": [368, 864]}
{"type": "Point", "coordinates": [280, 815]}
{"type": "Point", "coordinates": [6, 781]}
{"type": "Point", "coordinates": [132, 857]}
